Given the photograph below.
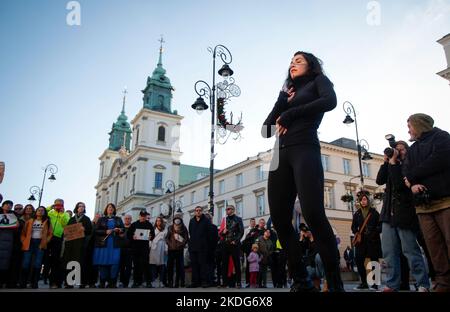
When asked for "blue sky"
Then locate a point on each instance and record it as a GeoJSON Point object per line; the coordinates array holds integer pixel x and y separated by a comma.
{"type": "Point", "coordinates": [61, 85]}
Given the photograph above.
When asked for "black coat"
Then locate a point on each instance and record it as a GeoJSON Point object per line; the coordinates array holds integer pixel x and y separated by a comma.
{"type": "Point", "coordinates": [235, 230]}
{"type": "Point", "coordinates": [428, 163]}
{"type": "Point", "coordinates": [370, 245]}
{"type": "Point", "coordinates": [146, 225]}
{"type": "Point", "coordinates": [302, 116]}
{"type": "Point", "coordinates": [198, 234]}
{"type": "Point", "coordinates": [398, 209]}
{"type": "Point", "coordinates": [100, 232]}
{"type": "Point", "coordinates": [75, 250]}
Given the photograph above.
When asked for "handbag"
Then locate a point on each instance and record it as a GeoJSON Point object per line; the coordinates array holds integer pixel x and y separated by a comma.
{"type": "Point", "coordinates": [358, 236]}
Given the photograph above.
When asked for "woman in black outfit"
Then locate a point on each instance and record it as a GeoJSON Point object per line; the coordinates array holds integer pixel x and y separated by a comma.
{"type": "Point", "coordinates": [297, 169]}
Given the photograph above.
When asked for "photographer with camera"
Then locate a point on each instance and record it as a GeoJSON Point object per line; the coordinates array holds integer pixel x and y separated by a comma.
{"type": "Point", "coordinates": [400, 225]}
{"type": "Point", "coordinates": [427, 171]}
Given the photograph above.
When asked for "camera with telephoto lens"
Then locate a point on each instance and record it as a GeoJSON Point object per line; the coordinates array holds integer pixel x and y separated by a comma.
{"type": "Point", "coordinates": [389, 151]}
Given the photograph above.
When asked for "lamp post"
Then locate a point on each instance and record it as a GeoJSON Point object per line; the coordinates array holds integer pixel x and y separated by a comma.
{"type": "Point", "coordinates": [361, 145]}
{"type": "Point", "coordinates": [53, 170]}
{"type": "Point", "coordinates": [34, 190]}
{"type": "Point", "coordinates": [226, 89]}
{"type": "Point", "coordinates": [174, 203]}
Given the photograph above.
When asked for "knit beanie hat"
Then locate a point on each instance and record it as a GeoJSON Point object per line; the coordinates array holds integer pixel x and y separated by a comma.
{"type": "Point", "coordinates": [421, 123]}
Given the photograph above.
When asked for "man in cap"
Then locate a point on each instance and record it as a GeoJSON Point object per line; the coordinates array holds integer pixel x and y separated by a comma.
{"type": "Point", "coordinates": [428, 176]}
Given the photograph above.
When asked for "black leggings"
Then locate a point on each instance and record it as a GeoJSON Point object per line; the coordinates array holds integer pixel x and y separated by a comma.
{"type": "Point", "coordinates": [299, 172]}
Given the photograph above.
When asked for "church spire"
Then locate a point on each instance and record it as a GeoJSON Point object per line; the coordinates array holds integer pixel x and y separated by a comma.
{"type": "Point", "coordinates": [120, 135]}
{"type": "Point", "coordinates": [158, 92]}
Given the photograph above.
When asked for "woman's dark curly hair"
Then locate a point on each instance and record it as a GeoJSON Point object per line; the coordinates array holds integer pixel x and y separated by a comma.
{"type": "Point", "coordinates": [314, 66]}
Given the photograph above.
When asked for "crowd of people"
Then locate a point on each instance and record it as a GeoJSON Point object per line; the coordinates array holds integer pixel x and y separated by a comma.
{"type": "Point", "coordinates": [114, 251]}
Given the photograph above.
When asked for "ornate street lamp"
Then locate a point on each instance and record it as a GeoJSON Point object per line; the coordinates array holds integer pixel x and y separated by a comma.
{"type": "Point", "coordinates": [53, 169]}
{"type": "Point", "coordinates": [223, 90]}
{"type": "Point", "coordinates": [360, 144]}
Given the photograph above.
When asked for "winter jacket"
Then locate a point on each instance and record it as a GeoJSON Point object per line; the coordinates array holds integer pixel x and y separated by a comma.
{"type": "Point", "coordinates": [175, 231]}
{"type": "Point", "coordinates": [235, 230]}
{"type": "Point", "coordinates": [146, 225]}
{"type": "Point", "coordinates": [58, 221]}
{"type": "Point", "coordinates": [198, 233]}
{"type": "Point", "coordinates": [398, 209]}
{"type": "Point", "coordinates": [25, 237]}
{"type": "Point", "coordinates": [253, 260]}
{"type": "Point", "coordinates": [428, 163]}
{"type": "Point", "coordinates": [265, 249]}
{"type": "Point", "coordinates": [370, 245]}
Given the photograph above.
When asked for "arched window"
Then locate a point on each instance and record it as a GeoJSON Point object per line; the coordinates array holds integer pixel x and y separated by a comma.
{"type": "Point", "coordinates": [161, 134]}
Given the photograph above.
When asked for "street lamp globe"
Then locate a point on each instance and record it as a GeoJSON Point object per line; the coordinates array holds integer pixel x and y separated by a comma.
{"type": "Point", "coordinates": [199, 105]}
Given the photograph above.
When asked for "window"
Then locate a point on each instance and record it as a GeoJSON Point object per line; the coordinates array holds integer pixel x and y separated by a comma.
{"type": "Point", "coordinates": [134, 183]}
{"type": "Point", "coordinates": [328, 198]}
{"type": "Point", "coordinates": [152, 212]}
{"type": "Point", "coordinates": [347, 168]}
{"type": "Point", "coordinates": [221, 186]}
{"type": "Point", "coordinates": [221, 209]}
{"type": "Point", "coordinates": [260, 207]}
{"type": "Point", "coordinates": [102, 169]}
{"type": "Point", "coordinates": [366, 169]}
{"type": "Point", "coordinates": [259, 173]}
{"type": "Point", "coordinates": [239, 180]}
{"type": "Point", "coordinates": [160, 208]}
{"type": "Point", "coordinates": [325, 164]}
{"type": "Point", "coordinates": [161, 134]}
{"type": "Point", "coordinates": [192, 197]}
{"type": "Point", "coordinates": [205, 192]}
{"type": "Point", "coordinates": [239, 207]}
{"type": "Point", "coordinates": [158, 180]}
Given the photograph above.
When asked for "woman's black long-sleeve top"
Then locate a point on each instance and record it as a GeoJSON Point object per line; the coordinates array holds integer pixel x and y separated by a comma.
{"type": "Point", "coordinates": [302, 116]}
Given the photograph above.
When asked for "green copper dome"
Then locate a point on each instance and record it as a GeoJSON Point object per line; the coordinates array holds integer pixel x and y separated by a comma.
{"type": "Point", "coordinates": [120, 134]}
{"type": "Point", "coordinates": [158, 92]}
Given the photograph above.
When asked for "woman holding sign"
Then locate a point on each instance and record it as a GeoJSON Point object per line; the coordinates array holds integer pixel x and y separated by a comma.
{"type": "Point", "coordinates": [75, 245]}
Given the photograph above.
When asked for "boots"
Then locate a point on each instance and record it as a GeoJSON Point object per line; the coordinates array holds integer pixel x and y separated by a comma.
{"type": "Point", "coordinates": [24, 278]}
{"type": "Point", "coordinates": [303, 285]}
{"type": "Point", "coordinates": [334, 281]}
{"type": "Point", "coordinates": [112, 283]}
{"type": "Point", "coordinates": [35, 278]}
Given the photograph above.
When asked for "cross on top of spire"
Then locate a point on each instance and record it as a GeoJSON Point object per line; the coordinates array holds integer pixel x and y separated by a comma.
{"type": "Point", "coordinates": [161, 42]}
{"type": "Point", "coordinates": [124, 98]}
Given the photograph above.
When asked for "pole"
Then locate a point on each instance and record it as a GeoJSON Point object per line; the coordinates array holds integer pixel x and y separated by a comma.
{"type": "Point", "coordinates": [359, 151]}
{"type": "Point", "coordinates": [42, 187]}
{"type": "Point", "coordinates": [213, 113]}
